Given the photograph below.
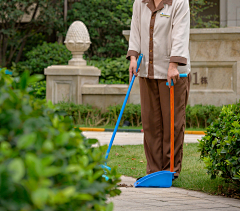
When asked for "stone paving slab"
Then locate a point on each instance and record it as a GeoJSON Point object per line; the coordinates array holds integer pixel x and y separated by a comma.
{"type": "Point", "coordinates": [165, 199]}
{"type": "Point", "coordinates": [123, 138]}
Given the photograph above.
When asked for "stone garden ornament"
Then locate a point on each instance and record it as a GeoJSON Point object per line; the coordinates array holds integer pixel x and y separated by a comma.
{"type": "Point", "coordinates": [77, 41]}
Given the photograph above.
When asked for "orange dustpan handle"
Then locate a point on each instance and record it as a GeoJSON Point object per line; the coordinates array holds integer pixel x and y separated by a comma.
{"type": "Point", "coordinates": [172, 121]}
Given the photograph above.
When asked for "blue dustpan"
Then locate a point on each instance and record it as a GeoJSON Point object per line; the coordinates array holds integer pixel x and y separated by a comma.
{"type": "Point", "coordinates": [159, 179]}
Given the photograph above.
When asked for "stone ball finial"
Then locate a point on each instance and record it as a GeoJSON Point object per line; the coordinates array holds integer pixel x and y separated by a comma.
{"type": "Point", "coordinates": [77, 41]}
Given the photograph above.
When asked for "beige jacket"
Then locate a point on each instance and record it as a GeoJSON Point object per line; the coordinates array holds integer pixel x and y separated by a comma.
{"type": "Point", "coordinates": [162, 35]}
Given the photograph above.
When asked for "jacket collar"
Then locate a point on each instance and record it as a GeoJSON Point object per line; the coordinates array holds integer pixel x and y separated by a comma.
{"type": "Point", "coordinates": [152, 7]}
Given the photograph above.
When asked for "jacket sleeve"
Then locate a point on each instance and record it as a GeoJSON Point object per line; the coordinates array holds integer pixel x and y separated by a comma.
{"type": "Point", "coordinates": [180, 33]}
{"type": "Point", "coordinates": [135, 39]}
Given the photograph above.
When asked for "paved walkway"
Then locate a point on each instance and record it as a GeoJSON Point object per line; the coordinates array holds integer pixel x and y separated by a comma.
{"type": "Point", "coordinates": [165, 199]}
{"type": "Point", "coordinates": [122, 138]}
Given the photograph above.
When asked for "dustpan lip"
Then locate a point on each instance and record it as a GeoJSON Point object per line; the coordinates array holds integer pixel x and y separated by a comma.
{"type": "Point", "coordinates": [147, 177]}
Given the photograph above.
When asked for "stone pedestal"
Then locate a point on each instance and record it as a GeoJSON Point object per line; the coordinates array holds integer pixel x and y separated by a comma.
{"type": "Point", "coordinates": [64, 82]}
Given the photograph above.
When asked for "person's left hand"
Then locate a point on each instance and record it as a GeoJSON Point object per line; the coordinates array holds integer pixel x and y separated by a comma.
{"type": "Point", "coordinates": [173, 73]}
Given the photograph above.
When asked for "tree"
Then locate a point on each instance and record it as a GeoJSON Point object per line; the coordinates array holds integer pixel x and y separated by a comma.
{"type": "Point", "coordinates": [105, 20]}
{"type": "Point", "coordinates": [201, 14]}
{"type": "Point", "coordinates": [42, 16]}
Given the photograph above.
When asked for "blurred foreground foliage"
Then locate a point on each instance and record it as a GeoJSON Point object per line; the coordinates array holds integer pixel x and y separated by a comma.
{"type": "Point", "coordinates": [46, 164]}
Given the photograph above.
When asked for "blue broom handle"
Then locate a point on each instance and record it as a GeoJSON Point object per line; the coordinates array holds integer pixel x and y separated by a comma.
{"type": "Point", "coordinates": [123, 107]}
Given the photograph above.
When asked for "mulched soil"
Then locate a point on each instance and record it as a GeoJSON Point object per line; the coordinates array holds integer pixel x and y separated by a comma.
{"type": "Point", "coordinates": [125, 185]}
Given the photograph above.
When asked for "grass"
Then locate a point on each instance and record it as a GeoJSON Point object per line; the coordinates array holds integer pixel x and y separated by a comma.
{"type": "Point", "coordinates": [140, 127]}
{"type": "Point", "coordinates": [131, 161]}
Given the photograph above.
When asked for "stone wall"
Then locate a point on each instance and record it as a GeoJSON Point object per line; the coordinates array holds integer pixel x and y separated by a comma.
{"type": "Point", "coordinates": [79, 84]}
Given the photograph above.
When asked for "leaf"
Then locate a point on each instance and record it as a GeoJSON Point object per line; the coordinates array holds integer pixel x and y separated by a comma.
{"type": "Point", "coordinates": [133, 158]}
{"type": "Point", "coordinates": [39, 197]}
{"type": "Point", "coordinates": [83, 196]}
{"type": "Point", "coordinates": [26, 141]}
{"type": "Point", "coordinates": [35, 78]}
{"type": "Point", "coordinates": [17, 168]}
{"type": "Point", "coordinates": [69, 191]}
{"type": "Point", "coordinates": [110, 207]}
{"type": "Point", "coordinates": [224, 151]}
{"type": "Point", "coordinates": [51, 171]}
{"type": "Point", "coordinates": [92, 141]}
{"type": "Point", "coordinates": [73, 168]}
{"type": "Point", "coordinates": [48, 146]}
{"type": "Point", "coordinates": [24, 80]}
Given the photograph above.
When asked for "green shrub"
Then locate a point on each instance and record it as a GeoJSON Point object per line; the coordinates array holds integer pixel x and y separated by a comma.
{"type": "Point", "coordinates": [39, 89]}
{"type": "Point", "coordinates": [113, 71]}
{"type": "Point", "coordinates": [220, 148]}
{"type": "Point", "coordinates": [43, 56]}
{"type": "Point", "coordinates": [46, 165]}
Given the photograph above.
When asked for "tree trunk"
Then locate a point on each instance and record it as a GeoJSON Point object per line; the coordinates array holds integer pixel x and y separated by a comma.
{"type": "Point", "coordinates": [65, 11]}
{"type": "Point", "coordinates": [1, 50]}
{"type": "Point", "coordinates": [20, 50]}
{"type": "Point", "coordinates": [4, 49]}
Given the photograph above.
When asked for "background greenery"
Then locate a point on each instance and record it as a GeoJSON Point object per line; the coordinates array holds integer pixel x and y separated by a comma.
{"type": "Point", "coordinates": [46, 17]}
{"type": "Point", "coordinates": [104, 19]}
{"type": "Point", "coordinates": [46, 164]}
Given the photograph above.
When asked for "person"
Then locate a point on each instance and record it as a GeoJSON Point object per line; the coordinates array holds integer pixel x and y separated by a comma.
{"type": "Point", "coordinates": [160, 31]}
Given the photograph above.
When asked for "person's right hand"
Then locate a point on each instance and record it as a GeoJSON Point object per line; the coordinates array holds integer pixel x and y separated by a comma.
{"type": "Point", "coordinates": [132, 68]}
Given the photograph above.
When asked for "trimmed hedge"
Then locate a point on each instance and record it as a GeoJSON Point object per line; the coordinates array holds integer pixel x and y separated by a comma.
{"type": "Point", "coordinates": [46, 164]}
{"type": "Point", "coordinates": [113, 71]}
{"type": "Point", "coordinates": [43, 56]}
{"type": "Point", "coordinates": [220, 148]}
{"type": "Point", "coordinates": [197, 116]}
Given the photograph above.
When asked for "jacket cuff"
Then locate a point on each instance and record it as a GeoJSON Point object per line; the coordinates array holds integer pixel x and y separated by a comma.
{"type": "Point", "coordinates": [131, 53]}
{"type": "Point", "coordinates": [178, 59]}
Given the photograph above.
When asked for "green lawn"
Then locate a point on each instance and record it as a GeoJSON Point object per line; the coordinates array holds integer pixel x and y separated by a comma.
{"type": "Point", "coordinates": [131, 161]}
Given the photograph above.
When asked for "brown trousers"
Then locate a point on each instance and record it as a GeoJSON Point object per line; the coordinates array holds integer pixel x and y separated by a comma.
{"type": "Point", "coordinates": [155, 111]}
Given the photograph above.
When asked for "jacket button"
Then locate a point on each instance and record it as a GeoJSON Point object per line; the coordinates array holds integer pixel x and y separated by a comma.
{"type": "Point", "coordinates": [150, 51]}
{"type": "Point", "coordinates": [150, 62]}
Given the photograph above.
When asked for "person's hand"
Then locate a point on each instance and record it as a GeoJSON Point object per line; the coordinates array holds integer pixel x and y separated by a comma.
{"type": "Point", "coordinates": [132, 68]}
{"type": "Point", "coordinates": [173, 73]}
